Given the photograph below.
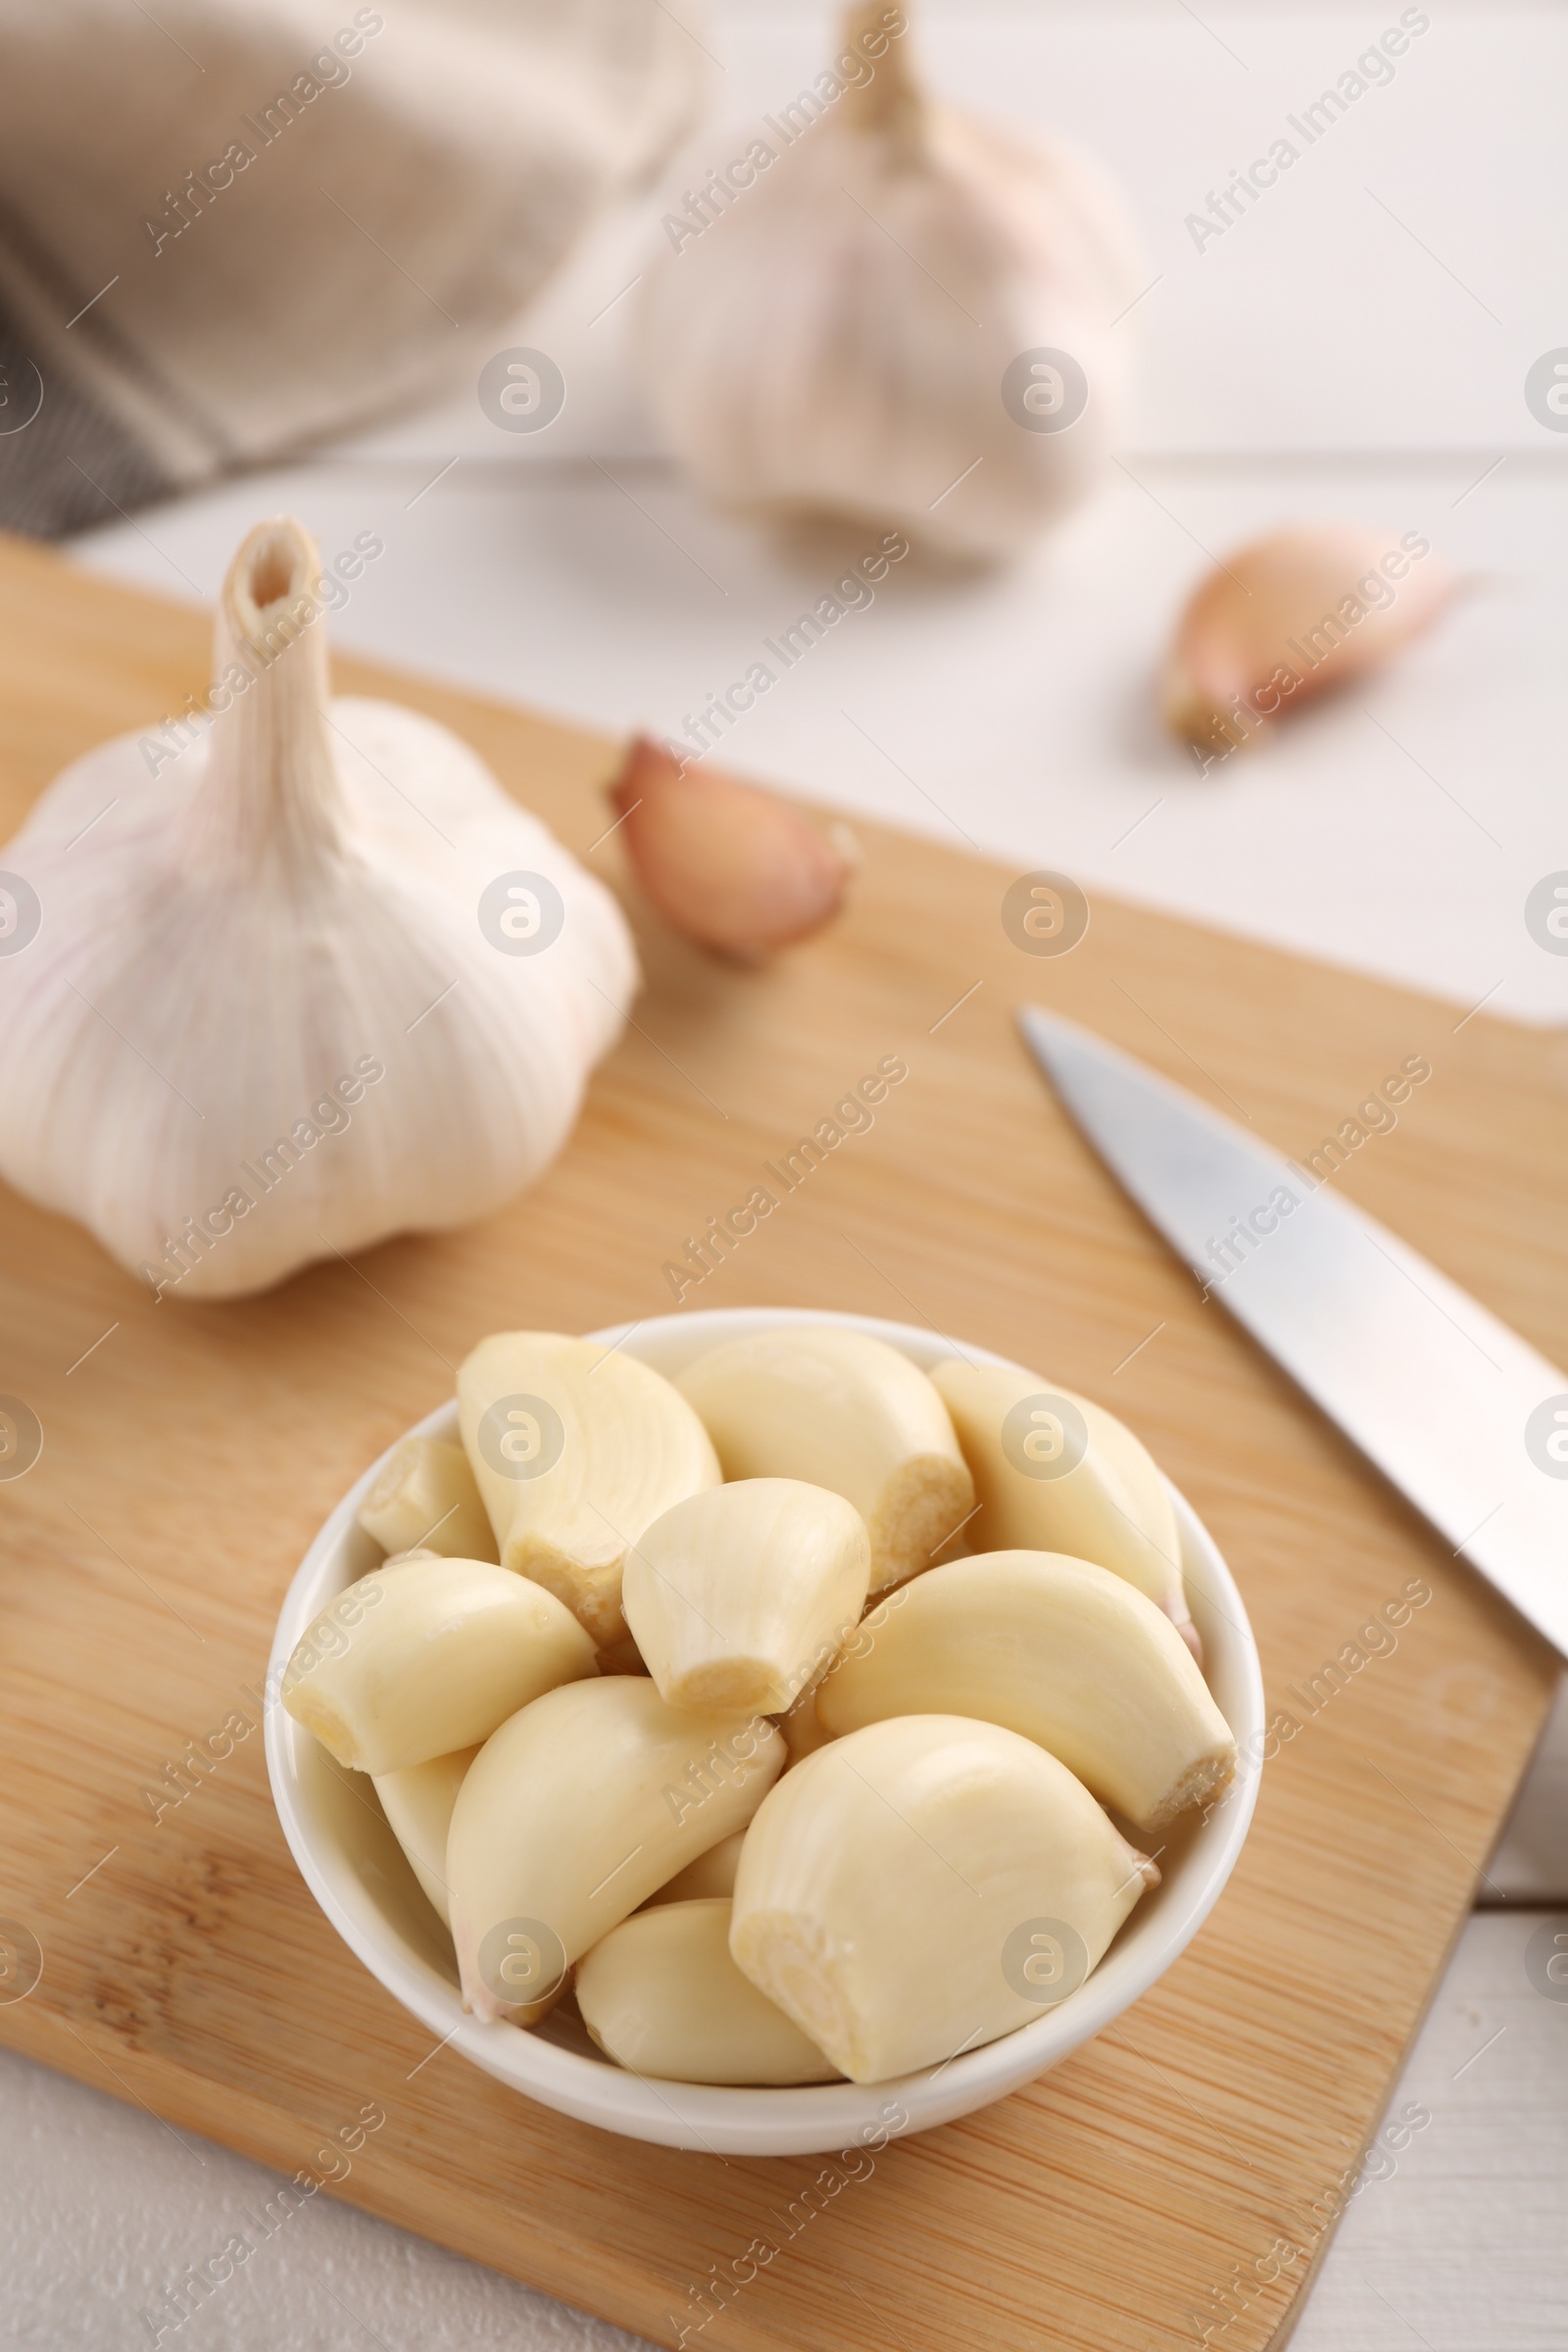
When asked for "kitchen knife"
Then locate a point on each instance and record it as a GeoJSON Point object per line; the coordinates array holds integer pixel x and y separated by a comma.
{"type": "Point", "coordinates": [1465, 1419]}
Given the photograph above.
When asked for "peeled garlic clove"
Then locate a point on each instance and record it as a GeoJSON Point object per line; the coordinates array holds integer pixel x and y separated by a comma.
{"type": "Point", "coordinates": [662, 1996]}
{"type": "Point", "coordinates": [431, 1656]}
{"type": "Point", "coordinates": [1059, 1650]}
{"type": "Point", "coordinates": [873, 323]}
{"type": "Point", "coordinates": [843, 1410]}
{"type": "Point", "coordinates": [734, 868]}
{"type": "Point", "coordinates": [575, 1813]}
{"type": "Point", "coordinates": [924, 1886]}
{"type": "Point", "coordinates": [576, 1448]}
{"type": "Point", "coordinates": [1282, 619]}
{"type": "Point", "coordinates": [418, 1803]}
{"type": "Point", "coordinates": [1055, 1472]}
{"type": "Point", "coordinates": [282, 1000]}
{"type": "Point", "coordinates": [741, 1595]}
{"type": "Point", "coordinates": [425, 1499]}
{"type": "Point", "coordinates": [712, 1873]}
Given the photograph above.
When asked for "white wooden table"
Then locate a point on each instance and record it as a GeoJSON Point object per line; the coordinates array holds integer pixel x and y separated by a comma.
{"type": "Point", "coordinates": [1358, 346]}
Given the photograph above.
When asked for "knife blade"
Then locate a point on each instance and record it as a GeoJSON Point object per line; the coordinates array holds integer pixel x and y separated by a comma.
{"type": "Point", "coordinates": [1462, 1416]}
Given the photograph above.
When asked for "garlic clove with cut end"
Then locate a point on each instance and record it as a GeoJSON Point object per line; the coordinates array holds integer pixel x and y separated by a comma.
{"type": "Point", "coordinates": [1055, 1472]}
{"type": "Point", "coordinates": [1068, 1654]}
{"type": "Point", "coordinates": [1291, 616]}
{"type": "Point", "coordinates": [425, 1499]}
{"type": "Point", "coordinates": [577, 1448]}
{"type": "Point", "coordinates": [661, 1996]}
{"type": "Point", "coordinates": [843, 1410]}
{"type": "Point", "coordinates": [576, 1811]}
{"type": "Point", "coordinates": [418, 1661]}
{"type": "Point", "coordinates": [737, 869]}
{"type": "Point", "coordinates": [741, 1595]}
{"type": "Point", "coordinates": [284, 1000]}
{"type": "Point", "coordinates": [905, 317]}
{"type": "Point", "coordinates": [924, 1886]}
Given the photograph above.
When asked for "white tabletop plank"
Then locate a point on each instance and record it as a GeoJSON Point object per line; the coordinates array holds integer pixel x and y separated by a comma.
{"type": "Point", "coordinates": [103, 2212]}
{"type": "Point", "coordinates": [1459, 2241]}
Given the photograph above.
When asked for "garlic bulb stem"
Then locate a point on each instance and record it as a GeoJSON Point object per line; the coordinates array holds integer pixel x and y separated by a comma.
{"type": "Point", "coordinates": [891, 104]}
{"type": "Point", "coordinates": [272, 792]}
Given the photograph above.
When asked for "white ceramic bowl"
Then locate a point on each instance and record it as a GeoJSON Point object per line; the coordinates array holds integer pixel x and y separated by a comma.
{"type": "Point", "coordinates": [357, 1872]}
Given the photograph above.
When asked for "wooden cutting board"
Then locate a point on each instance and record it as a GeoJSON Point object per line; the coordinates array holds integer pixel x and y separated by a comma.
{"type": "Point", "coordinates": [1181, 2173]}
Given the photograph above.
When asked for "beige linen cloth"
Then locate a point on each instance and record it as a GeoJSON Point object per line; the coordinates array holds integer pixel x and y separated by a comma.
{"type": "Point", "coordinates": [232, 228]}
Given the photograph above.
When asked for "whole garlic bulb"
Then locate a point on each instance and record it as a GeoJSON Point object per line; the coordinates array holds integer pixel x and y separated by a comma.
{"type": "Point", "coordinates": [313, 981]}
{"type": "Point", "coordinates": [864, 317]}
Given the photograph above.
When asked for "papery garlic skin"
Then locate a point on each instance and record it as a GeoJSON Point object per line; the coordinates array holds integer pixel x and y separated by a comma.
{"type": "Point", "coordinates": [1110, 1505]}
{"type": "Point", "coordinates": [741, 1595]}
{"type": "Point", "coordinates": [425, 1499]}
{"type": "Point", "coordinates": [843, 1410]}
{"type": "Point", "coordinates": [837, 339]}
{"type": "Point", "coordinates": [418, 1803]}
{"type": "Point", "coordinates": [576, 1448]}
{"type": "Point", "coordinates": [1067, 1653]}
{"type": "Point", "coordinates": [433, 1654]}
{"type": "Point", "coordinates": [575, 1812]}
{"type": "Point", "coordinates": [661, 1996]}
{"type": "Point", "coordinates": [889, 1885]}
{"type": "Point", "coordinates": [261, 1021]}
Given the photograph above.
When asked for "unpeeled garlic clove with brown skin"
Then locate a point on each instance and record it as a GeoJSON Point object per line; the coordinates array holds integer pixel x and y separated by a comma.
{"type": "Point", "coordinates": [1285, 618]}
{"type": "Point", "coordinates": [734, 868]}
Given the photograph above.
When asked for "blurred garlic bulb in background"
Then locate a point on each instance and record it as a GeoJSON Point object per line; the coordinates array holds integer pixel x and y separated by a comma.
{"type": "Point", "coordinates": [885, 309]}
{"type": "Point", "coordinates": [309, 981]}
